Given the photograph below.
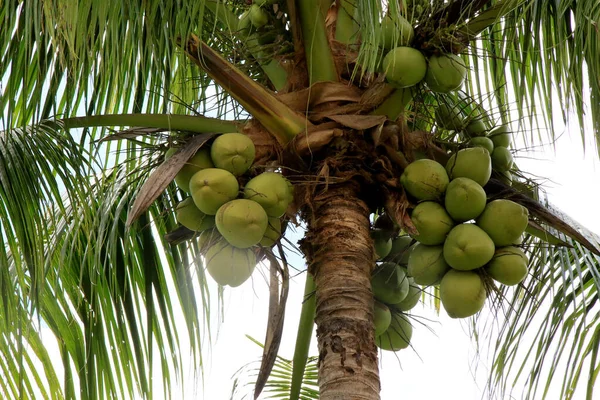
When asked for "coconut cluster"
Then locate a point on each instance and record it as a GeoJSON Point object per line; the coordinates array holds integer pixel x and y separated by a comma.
{"type": "Point", "coordinates": [461, 237]}
{"type": "Point", "coordinates": [395, 292]}
{"type": "Point", "coordinates": [231, 221]}
{"type": "Point", "coordinates": [405, 66]}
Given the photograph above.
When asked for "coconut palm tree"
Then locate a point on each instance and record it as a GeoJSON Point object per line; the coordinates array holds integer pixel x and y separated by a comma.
{"type": "Point", "coordinates": [95, 93]}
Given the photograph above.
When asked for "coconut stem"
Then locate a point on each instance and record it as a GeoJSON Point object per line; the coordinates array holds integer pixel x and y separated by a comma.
{"type": "Point", "coordinates": [339, 252]}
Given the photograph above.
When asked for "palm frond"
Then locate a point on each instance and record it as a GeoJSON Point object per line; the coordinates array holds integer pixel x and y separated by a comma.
{"type": "Point", "coordinates": [543, 57]}
{"type": "Point", "coordinates": [279, 384]}
{"type": "Point", "coordinates": [108, 294]}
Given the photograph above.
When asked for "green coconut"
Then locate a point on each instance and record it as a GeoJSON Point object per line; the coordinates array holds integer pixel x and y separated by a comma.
{"type": "Point", "coordinates": [229, 265]}
{"type": "Point", "coordinates": [381, 317]}
{"type": "Point", "coordinates": [425, 179]}
{"type": "Point", "coordinates": [211, 188]}
{"type": "Point", "coordinates": [208, 238]}
{"type": "Point", "coordinates": [506, 177]}
{"type": "Point", "coordinates": [192, 218]}
{"type": "Point", "coordinates": [272, 234]}
{"type": "Point", "coordinates": [502, 159]}
{"type": "Point", "coordinates": [504, 221]}
{"type": "Point", "coordinates": [389, 283]}
{"type": "Point", "coordinates": [432, 222]}
{"type": "Point", "coordinates": [427, 265]}
{"type": "Point", "coordinates": [468, 247]}
{"type": "Point", "coordinates": [258, 16]}
{"type": "Point", "coordinates": [411, 299]}
{"type": "Point", "coordinates": [465, 199]}
{"type": "Point", "coordinates": [509, 265]}
{"type": "Point", "coordinates": [445, 73]}
{"type": "Point", "coordinates": [404, 67]}
{"type": "Point", "coordinates": [398, 334]}
{"type": "Point", "coordinates": [449, 117]}
{"type": "Point", "coordinates": [242, 222]}
{"type": "Point", "coordinates": [474, 163]}
{"type": "Point", "coordinates": [382, 244]}
{"type": "Point", "coordinates": [396, 32]}
{"type": "Point", "coordinates": [199, 161]}
{"type": "Point", "coordinates": [482, 141]}
{"type": "Point", "coordinates": [476, 128]}
{"type": "Point", "coordinates": [401, 249]}
{"type": "Point", "coordinates": [462, 293]}
{"type": "Point", "coordinates": [271, 191]}
{"type": "Point", "coordinates": [233, 152]}
{"type": "Point", "coordinates": [500, 136]}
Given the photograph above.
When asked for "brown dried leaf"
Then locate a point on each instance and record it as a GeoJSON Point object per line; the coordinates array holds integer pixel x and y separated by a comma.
{"type": "Point", "coordinates": [277, 301]}
{"type": "Point", "coordinates": [314, 141]}
{"type": "Point", "coordinates": [360, 122]}
{"type": "Point", "coordinates": [320, 93]}
{"type": "Point", "coordinates": [164, 175]}
{"type": "Point", "coordinates": [396, 206]}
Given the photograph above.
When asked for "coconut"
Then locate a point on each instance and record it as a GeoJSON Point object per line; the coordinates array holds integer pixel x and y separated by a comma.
{"type": "Point", "coordinates": [398, 334]}
{"type": "Point", "coordinates": [432, 222]}
{"type": "Point", "coordinates": [504, 221]}
{"type": "Point", "coordinates": [465, 199]}
{"type": "Point", "coordinates": [500, 136]}
{"type": "Point", "coordinates": [411, 299]}
{"type": "Point", "coordinates": [211, 188]}
{"type": "Point", "coordinates": [404, 67]}
{"type": "Point", "coordinates": [396, 32]}
{"type": "Point", "coordinates": [476, 128]}
{"type": "Point", "coordinates": [427, 265]}
{"type": "Point", "coordinates": [381, 317]}
{"type": "Point", "coordinates": [389, 283]}
{"type": "Point", "coordinates": [473, 163]}
{"type": "Point", "coordinates": [242, 222]}
{"type": "Point", "coordinates": [208, 238]}
{"type": "Point", "coordinates": [271, 191]}
{"type": "Point", "coordinates": [462, 293]}
{"type": "Point", "coordinates": [401, 249]}
{"type": "Point", "coordinates": [192, 218]}
{"type": "Point", "coordinates": [468, 247]}
{"type": "Point", "coordinates": [272, 234]}
{"type": "Point", "coordinates": [229, 265]}
{"type": "Point", "coordinates": [502, 159]}
{"type": "Point", "coordinates": [482, 141]}
{"type": "Point", "coordinates": [425, 179]}
{"type": "Point", "coordinates": [506, 177]}
{"type": "Point", "coordinates": [509, 265]}
{"type": "Point", "coordinates": [449, 117]}
{"type": "Point", "coordinates": [233, 152]}
{"type": "Point", "coordinates": [199, 161]}
{"type": "Point", "coordinates": [258, 16]}
{"type": "Point", "coordinates": [382, 244]}
{"type": "Point", "coordinates": [445, 73]}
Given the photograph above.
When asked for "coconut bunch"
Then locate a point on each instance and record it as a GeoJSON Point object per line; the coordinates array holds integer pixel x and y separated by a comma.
{"type": "Point", "coordinates": [395, 292]}
{"type": "Point", "coordinates": [232, 222]}
{"type": "Point", "coordinates": [405, 66]}
{"type": "Point", "coordinates": [462, 237]}
{"type": "Point", "coordinates": [476, 134]}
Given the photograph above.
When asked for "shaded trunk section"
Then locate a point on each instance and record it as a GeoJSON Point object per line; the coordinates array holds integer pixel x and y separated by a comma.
{"type": "Point", "coordinates": [340, 256]}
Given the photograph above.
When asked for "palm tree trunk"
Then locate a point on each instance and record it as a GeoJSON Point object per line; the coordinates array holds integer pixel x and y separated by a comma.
{"type": "Point", "coordinates": [339, 252]}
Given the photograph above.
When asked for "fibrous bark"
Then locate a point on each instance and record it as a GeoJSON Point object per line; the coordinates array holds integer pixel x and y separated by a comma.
{"type": "Point", "coordinates": [340, 256]}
